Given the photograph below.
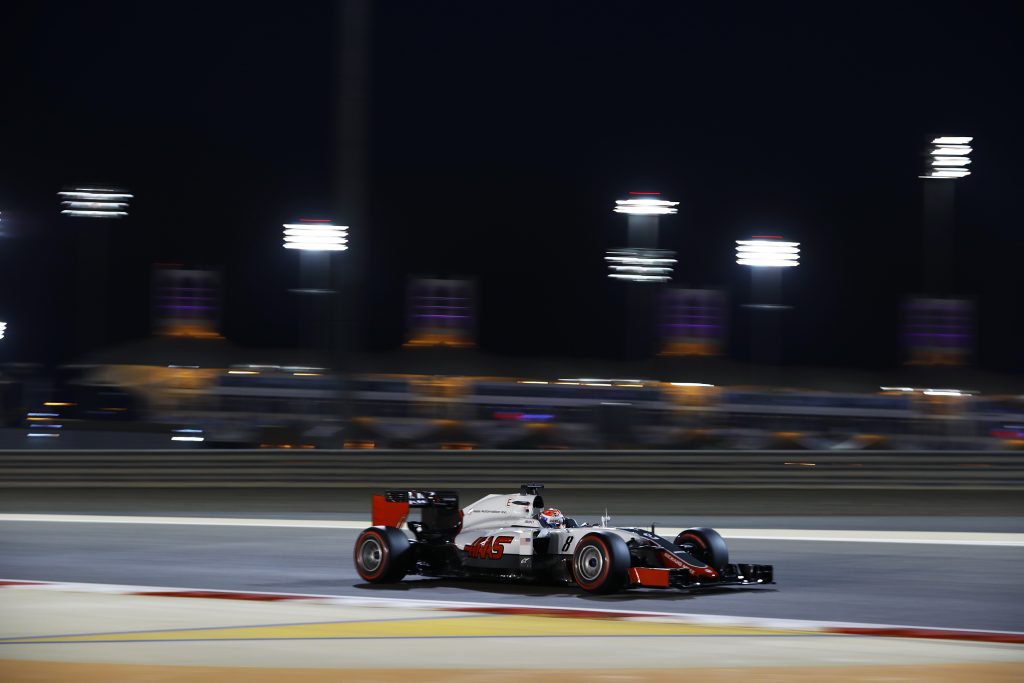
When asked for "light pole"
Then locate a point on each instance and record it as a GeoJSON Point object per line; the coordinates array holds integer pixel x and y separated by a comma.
{"type": "Point", "coordinates": [938, 327]}
{"type": "Point", "coordinates": [641, 261]}
{"type": "Point", "coordinates": [946, 159]}
{"type": "Point", "coordinates": [102, 203]}
{"type": "Point", "coordinates": [640, 265]}
{"type": "Point", "coordinates": [767, 255]}
{"type": "Point", "coordinates": [92, 202]}
{"type": "Point", "coordinates": [315, 240]}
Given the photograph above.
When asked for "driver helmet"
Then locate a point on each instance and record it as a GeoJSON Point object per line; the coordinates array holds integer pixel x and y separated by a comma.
{"type": "Point", "coordinates": [551, 518]}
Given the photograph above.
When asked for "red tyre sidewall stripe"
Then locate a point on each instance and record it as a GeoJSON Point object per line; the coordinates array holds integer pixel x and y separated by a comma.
{"type": "Point", "coordinates": [383, 551]}
{"type": "Point", "coordinates": [604, 570]}
{"type": "Point", "coordinates": [697, 539]}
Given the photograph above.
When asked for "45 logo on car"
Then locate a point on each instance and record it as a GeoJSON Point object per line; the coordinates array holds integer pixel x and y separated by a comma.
{"type": "Point", "coordinates": [488, 547]}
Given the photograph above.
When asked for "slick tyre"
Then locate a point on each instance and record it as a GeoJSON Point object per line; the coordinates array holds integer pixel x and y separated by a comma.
{"type": "Point", "coordinates": [382, 555]}
{"type": "Point", "coordinates": [600, 563]}
{"type": "Point", "coordinates": [707, 545]}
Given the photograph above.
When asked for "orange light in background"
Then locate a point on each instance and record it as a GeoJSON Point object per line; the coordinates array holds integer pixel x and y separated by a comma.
{"type": "Point", "coordinates": [191, 332]}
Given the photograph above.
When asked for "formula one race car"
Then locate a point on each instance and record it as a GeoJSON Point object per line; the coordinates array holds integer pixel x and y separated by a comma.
{"type": "Point", "coordinates": [514, 536]}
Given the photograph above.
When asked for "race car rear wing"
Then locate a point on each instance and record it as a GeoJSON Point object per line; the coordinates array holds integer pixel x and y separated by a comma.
{"type": "Point", "coordinates": [439, 508]}
{"type": "Point", "coordinates": [419, 499]}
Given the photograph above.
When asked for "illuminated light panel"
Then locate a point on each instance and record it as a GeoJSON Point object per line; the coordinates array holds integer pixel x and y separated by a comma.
{"type": "Point", "coordinates": [315, 236]}
{"type": "Point", "coordinates": [95, 205]}
{"type": "Point", "coordinates": [74, 213]}
{"type": "Point", "coordinates": [948, 157]}
{"type": "Point", "coordinates": [767, 253]}
{"type": "Point", "coordinates": [948, 173]}
{"type": "Point", "coordinates": [645, 204]}
{"type": "Point", "coordinates": [102, 196]}
{"type": "Point", "coordinates": [577, 380]}
{"type": "Point", "coordinates": [690, 384]}
{"type": "Point", "coordinates": [951, 150]}
{"type": "Point", "coordinates": [187, 434]}
{"type": "Point", "coordinates": [948, 392]}
{"type": "Point", "coordinates": [641, 265]}
{"type": "Point", "coordinates": [92, 202]}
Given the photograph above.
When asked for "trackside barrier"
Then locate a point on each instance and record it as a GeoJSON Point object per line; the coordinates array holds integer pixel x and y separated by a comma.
{"type": "Point", "coordinates": [470, 469]}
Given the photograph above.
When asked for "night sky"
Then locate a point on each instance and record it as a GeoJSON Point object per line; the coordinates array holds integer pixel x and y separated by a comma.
{"type": "Point", "coordinates": [500, 135]}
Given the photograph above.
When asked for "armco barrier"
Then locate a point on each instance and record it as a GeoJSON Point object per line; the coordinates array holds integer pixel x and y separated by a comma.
{"type": "Point", "coordinates": [563, 469]}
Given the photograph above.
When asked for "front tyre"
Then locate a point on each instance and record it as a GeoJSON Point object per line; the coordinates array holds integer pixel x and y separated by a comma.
{"type": "Point", "coordinates": [600, 563]}
{"type": "Point", "coordinates": [382, 555]}
{"type": "Point", "coordinates": [706, 544]}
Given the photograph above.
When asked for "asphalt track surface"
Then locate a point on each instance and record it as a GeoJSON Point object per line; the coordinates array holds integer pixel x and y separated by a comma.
{"type": "Point", "coordinates": [929, 585]}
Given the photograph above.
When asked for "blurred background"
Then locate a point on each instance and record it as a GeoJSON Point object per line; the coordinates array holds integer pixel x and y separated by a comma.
{"type": "Point", "coordinates": [541, 215]}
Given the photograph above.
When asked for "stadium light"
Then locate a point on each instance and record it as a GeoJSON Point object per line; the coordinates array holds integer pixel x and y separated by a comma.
{"type": "Point", "coordinates": [3, 330]}
{"type": "Point", "coordinates": [947, 158]}
{"type": "Point", "coordinates": [767, 252]}
{"type": "Point", "coordinates": [641, 265]}
{"type": "Point", "coordinates": [645, 204]}
{"type": "Point", "coordinates": [315, 235]}
{"type": "Point", "coordinates": [94, 202]}
{"type": "Point", "coordinates": [641, 261]}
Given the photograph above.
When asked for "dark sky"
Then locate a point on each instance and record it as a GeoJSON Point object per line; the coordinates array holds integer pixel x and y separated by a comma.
{"type": "Point", "coordinates": [500, 135]}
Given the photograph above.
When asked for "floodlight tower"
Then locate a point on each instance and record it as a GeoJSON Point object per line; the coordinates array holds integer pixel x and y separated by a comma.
{"type": "Point", "coordinates": [938, 327]}
{"type": "Point", "coordinates": [315, 240]}
{"type": "Point", "coordinates": [644, 210]}
{"type": "Point", "coordinates": [641, 262]}
{"type": "Point", "coordinates": [767, 255]}
{"type": "Point", "coordinates": [946, 160]}
{"type": "Point", "coordinates": [95, 203]}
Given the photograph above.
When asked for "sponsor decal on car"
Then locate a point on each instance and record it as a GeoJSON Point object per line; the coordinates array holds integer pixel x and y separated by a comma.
{"type": "Point", "coordinates": [488, 547]}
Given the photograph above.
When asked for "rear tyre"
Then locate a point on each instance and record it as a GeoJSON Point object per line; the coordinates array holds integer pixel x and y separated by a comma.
{"type": "Point", "coordinates": [383, 555]}
{"type": "Point", "coordinates": [600, 563]}
{"type": "Point", "coordinates": [706, 544]}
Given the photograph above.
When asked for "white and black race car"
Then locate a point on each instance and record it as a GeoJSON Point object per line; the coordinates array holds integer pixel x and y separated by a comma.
{"type": "Point", "coordinates": [501, 536]}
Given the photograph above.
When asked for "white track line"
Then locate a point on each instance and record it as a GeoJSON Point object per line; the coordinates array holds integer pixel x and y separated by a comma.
{"type": "Point", "coordinates": [813, 535]}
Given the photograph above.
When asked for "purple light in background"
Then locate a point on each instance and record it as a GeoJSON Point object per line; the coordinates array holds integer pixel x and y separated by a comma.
{"type": "Point", "coordinates": [938, 334]}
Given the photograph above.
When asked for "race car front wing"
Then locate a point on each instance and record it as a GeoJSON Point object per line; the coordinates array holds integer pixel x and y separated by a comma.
{"type": "Point", "coordinates": [730, 575]}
